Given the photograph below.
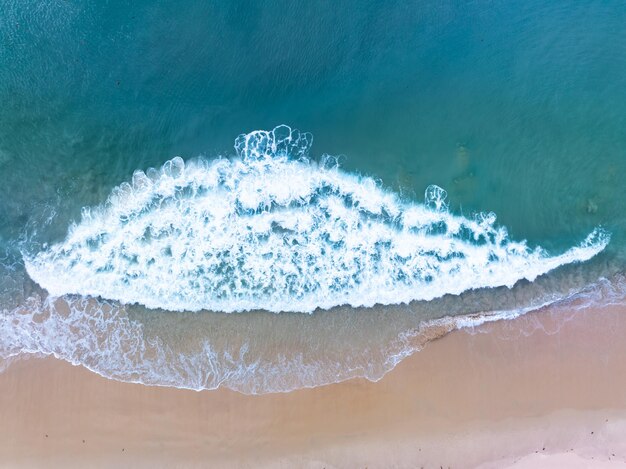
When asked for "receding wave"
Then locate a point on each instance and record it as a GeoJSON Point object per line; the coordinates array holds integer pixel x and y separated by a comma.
{"type": "Point", "coordinates": [271, 229]}
{"type": "Point", "coordinates": [252, 353]}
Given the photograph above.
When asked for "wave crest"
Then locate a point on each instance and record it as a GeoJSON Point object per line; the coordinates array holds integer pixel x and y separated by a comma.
{"type": "Point", "coordinates": [270, 229]}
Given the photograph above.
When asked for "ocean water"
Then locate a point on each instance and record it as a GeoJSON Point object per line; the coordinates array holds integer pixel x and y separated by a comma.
{"type": "Point", "coordinates": [268, 196]}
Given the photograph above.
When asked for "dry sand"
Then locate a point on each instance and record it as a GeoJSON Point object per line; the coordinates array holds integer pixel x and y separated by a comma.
{"type": "Point", "coordinates": [544, 390]}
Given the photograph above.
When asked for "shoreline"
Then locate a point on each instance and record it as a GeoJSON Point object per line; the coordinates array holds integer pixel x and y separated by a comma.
{"type": "Point", "coordinates": [491, 396]}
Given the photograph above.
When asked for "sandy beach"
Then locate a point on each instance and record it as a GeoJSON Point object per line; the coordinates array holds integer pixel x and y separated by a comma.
{"type": "Point", "coordinates": [543, 390]}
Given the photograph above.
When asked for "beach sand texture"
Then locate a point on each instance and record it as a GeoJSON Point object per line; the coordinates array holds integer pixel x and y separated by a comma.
{"type": "Point", "coordinates": [543, 390]}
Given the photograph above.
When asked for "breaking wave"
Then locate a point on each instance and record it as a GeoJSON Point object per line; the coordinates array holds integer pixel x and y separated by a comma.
{"type": "Point", "coordinates": [271, 229]}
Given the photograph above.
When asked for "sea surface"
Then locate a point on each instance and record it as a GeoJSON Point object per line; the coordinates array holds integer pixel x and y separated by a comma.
{"type": "Point", "coordinates": [268, 196]}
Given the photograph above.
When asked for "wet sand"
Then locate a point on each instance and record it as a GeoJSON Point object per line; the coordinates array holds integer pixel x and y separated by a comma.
{"type": "Point", "coordinates": [544, 390]}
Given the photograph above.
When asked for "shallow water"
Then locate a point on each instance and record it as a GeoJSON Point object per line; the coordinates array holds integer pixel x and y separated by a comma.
{"type": "Point", "coordinates": [512, 108]}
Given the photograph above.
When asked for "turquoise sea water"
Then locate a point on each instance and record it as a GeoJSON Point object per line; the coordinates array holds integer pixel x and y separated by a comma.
{"type": "Point", "coordinates": [515, 108]}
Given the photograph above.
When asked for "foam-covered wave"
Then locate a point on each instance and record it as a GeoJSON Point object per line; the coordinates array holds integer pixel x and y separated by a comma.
{"type": "Point", "coordinates": [270, 229]}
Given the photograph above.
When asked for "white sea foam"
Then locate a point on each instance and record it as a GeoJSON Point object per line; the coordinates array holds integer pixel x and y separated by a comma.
{"type": "Point", "coordinates": [102, 337]}
{"type": "Point", "coordinates": [269, 229]}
